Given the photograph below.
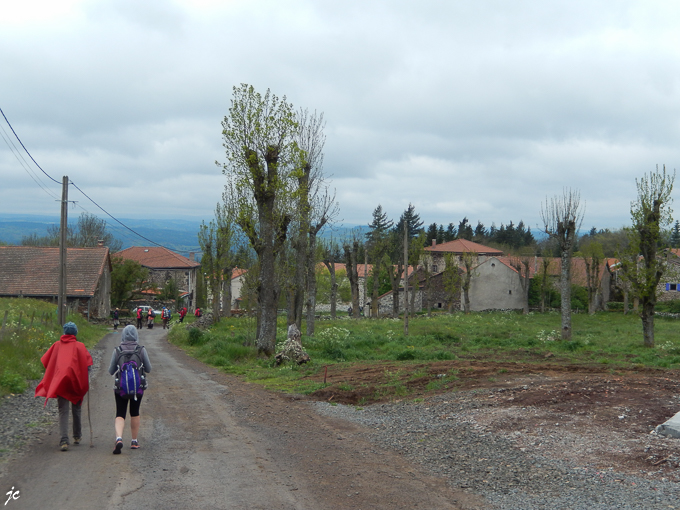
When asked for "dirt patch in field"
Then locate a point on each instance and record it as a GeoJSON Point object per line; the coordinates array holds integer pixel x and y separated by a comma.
{"type": "Point", "coordinates": [592, 415]}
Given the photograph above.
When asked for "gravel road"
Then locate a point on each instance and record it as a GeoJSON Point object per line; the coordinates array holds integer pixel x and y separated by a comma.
{"type": "Point", "coordinates": [208, 441]}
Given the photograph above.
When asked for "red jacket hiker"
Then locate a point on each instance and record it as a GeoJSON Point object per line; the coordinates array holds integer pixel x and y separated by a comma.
{"type": "Point", "coordinates": [65, 376]}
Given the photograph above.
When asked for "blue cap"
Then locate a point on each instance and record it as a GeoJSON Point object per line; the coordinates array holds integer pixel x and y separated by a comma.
{"type": "Point", "coordinates": [70, 329]}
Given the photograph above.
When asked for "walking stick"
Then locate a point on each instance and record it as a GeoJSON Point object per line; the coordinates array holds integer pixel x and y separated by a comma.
{"type": "Point", "coordinates": [89, 418]}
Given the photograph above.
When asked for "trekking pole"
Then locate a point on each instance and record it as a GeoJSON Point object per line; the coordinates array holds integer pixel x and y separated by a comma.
{"type": "Point", "coordinates": [89, 418]}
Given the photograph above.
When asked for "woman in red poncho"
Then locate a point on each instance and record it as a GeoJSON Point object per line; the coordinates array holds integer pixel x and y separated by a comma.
{"type": "Point", "coordinates": [66, 366]}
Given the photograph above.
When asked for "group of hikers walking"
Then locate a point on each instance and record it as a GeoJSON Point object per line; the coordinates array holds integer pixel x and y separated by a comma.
{"type": "Point", "coordinates": [67, 365]}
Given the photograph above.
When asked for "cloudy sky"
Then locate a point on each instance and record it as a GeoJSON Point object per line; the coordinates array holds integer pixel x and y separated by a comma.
{"type": "Point", "coordinates": [479, 109]}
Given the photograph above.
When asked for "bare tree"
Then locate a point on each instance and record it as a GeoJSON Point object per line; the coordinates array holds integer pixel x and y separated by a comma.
{"type": "Point", "coordinates": [562, 218]}
{"type": "Point", "coordinates": [593, 256]}
{"type": "Point", "coordinates": [469, 260]}
{"type": "Point", "coordinates": [545, 283]}
{"type": "Point", "coordinates": [522, 265]}
{"type": "Point", "coordinates": [351, 252]}
{"type": "Point", "coordinates": [330, 252]}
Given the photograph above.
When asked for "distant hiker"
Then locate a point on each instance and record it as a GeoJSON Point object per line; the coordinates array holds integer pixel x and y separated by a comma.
{"type": "Point", "coordinates": [165, 315]}
{"type": "Point", "coordinates": [182, 313]}
{"type": "Point", "coordinates": [150, 316]}
{"type": "Point", "coordinates": [197, 313]}
{"type": "Point", "coordinates": [66, 365]}
{"type": "Point", "coordinates": [129, 352]}
{"type": "Point", "coordinates": [115, 319]}
{"type": "Point", "coordinates": [139, 317]}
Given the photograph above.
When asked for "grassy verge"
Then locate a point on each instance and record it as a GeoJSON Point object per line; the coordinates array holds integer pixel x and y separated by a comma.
{"type": "Point", "coordinates": [611, 339]}
{"type": "Point", "coordinates": [31, 328]}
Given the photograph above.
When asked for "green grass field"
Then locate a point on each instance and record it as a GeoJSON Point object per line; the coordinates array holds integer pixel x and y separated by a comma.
{"type": "Point", "coordinates": [608, 338]}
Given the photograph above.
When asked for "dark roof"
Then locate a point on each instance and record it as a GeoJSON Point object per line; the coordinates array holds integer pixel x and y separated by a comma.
{"type": "Point", "coordinates": [34, 271]}
{"type": "Point", "coordinates": [156, 257]}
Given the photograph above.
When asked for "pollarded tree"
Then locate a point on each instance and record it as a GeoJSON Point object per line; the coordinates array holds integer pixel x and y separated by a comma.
{"type": "Point", "coordinates": [562, 218]}
{"type": "Point", "coordinates": [469, 261]}
{"type": "Point", "coordinates": [522, 265]}
{"type": "Point", "coordinates": [650, 213]}
{"type": "Point", "coordinates": [259, 136]}
{"type": "Point", "coordinates": [316, 207]}
{"type": "Point", "coordinates": [593, 256]}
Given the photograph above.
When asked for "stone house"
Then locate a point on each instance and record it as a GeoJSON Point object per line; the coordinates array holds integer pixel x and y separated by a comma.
{"type": "Point", "coordinates": [165, 265]}
{"type": "Point", "coordinates": [33, 271]}
{"type": "Point", "coordinates": [434, 257]}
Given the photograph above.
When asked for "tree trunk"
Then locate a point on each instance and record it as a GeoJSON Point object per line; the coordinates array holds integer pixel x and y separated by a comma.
{"type": "Point", "coordinates": [376, 289]}
{"type": "Point", "coordinates": [227, 291]}
{"type": "Point", "coordinates": [311, 284]}
{"type": "Point", "coordinates": [625, 301]}
{"type": "Point", "coordinates": [268, 303]}
{"type": "Point", "coordinates": [565, 292]}
{"type": "Point", "coordinates": [353, 275]}
{"type": "Point", "coordinates": [395, 280]}
{"type": "Point", "coordinates": [647, 316]}
{"type": "Point", "coordinates": [334, 287]}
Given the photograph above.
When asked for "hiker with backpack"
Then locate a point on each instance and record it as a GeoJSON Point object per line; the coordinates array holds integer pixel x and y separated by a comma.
{"type": "Point", "coordinates": [150, 318]}
{"type": "Point", "coordinates": [67, 364]}
{"type": "Point", "coordinates": [166, 315]}
{"type": "Point", "coordinates": [139, 317]}
{"type": "Point", "coordinates": [129, 364]}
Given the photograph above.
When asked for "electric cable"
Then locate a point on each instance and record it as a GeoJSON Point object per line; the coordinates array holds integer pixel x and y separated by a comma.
{"type": "Point", "coordinates": [22, 144]}
{"type": "Point", "coordinates": [75, 186]}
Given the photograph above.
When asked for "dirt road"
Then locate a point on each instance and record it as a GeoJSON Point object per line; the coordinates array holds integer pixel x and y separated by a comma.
{"type": "Point", "coordinates": [210, 441]}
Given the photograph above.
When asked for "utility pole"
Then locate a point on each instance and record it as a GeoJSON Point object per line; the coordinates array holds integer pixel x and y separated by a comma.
{"type": "Point", "coordinates": [62, 301]}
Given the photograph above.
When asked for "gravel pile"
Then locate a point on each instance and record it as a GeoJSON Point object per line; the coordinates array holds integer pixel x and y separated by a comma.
{"type": "Point", "coordinates": [443, 436]}
{"type": "Point", "coordinates": [24, 418]}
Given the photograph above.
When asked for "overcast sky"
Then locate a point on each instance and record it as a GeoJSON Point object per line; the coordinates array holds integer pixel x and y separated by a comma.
{"type": "Point", "coordinates": [479, 109]}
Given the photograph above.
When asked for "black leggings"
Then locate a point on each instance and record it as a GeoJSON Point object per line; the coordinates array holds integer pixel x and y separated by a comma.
{"type": "Point", "coordinates": [122, 403]}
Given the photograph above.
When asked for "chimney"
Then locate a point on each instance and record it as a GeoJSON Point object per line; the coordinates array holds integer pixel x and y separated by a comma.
{"type": "Point", "coordinates": [100, 242]}
{"type": "Point", "coordinates": [191, 256]}
{"type": "Point", "coordinates": [434, 242]}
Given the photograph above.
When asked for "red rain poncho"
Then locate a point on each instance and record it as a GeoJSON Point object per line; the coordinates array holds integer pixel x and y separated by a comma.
{"type": "Point", "coordinates": [65, 365]}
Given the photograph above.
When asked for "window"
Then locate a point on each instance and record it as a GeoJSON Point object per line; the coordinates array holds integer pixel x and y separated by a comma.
{"type": "Point", "coordinates": [673, 286]}
{"type": "Point", "coordinates": [510, 292]}
{"type": "Point", "coordinates": [434, 268]}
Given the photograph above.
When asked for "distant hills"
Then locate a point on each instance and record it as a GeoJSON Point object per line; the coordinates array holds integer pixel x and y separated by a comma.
{"type": "Point", "coordinates": [179, 235]}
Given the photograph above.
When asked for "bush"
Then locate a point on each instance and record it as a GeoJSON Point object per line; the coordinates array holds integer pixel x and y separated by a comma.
{"type": "Point", "coordinates": [196, 336]}
{"type": "Point", "coordinates": [13, 382]}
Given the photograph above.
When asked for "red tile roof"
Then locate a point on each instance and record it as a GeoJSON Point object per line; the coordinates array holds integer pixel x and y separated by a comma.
{"type": "Point", "coordinates": [156, 257]}
{"type": "Point", "coordinates": [463, 246]}
{"type": "Point", "coordinates": [34, 271]}
{"type": "Point", "coordinates": [362, 269]}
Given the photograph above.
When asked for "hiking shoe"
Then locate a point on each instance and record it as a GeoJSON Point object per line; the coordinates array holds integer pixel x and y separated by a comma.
{"type": "Point", "coordinates": [134, 445]}
{"type": "Point", "coordinates": [118, 448]}
{"type": "Point", "coordinates": [76, 439]}
{"type": "Point", "coordinates": [63, 446]}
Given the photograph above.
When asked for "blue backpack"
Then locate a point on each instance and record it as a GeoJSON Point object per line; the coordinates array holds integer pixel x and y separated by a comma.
{"type": "Point", "coordinates": [130, 379]}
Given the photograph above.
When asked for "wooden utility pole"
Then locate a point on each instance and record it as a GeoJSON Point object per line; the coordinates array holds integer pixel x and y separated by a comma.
{"type": "Point", "coordinates": [61, 306]}
{"type": "Point", "coordinates": [405, 277]}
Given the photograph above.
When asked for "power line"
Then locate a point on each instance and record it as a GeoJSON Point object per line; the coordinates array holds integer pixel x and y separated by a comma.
{"type": "Point", "coordinates": [22, 144]}
{"type": "Point", "coordinates": [24, 164]}
{"type": "Point", "coordinates": [75, 186]}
